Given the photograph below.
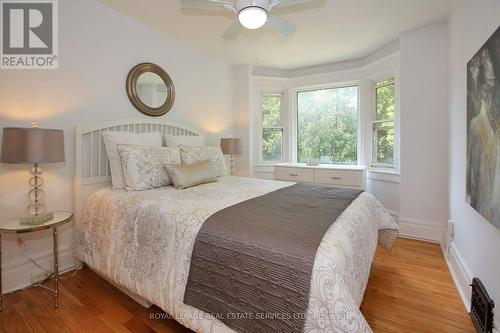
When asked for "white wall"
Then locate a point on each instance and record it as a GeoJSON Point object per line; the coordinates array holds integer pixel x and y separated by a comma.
{"type": "Point", "coordinates": [98, 47]}
{"type": "Point", "coordinates": [476, 247]}
{"type": "Point", "coordinates": [424, 131]}
{"type": "Point", "coordinates": [241, 109]}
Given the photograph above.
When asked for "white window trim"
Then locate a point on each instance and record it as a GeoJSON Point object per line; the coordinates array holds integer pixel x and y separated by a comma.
{"type": "Point", "coordinates": [294, 117]}
{"type": "Point", "coordinates": [259, 128]}
{"type": "Point", "coordinates": [395, 169]}
{"type": "Point", "coordinates": [374, 120]}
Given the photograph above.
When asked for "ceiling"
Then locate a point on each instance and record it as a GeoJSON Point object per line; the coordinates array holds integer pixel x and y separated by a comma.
{"type": "Point", "coordinates": [328, 31]}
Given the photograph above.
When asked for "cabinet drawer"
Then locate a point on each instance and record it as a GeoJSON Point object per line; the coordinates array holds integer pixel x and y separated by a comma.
{"type": "Point", "coordinates": [339, 177]}
{"type": "Point", "coordinates": [294, 174]}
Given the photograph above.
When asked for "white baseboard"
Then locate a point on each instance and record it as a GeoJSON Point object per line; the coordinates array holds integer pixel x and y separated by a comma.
{"type": "Point", "coordinates": [18, 275]}
{"type": "Point", "coordinates": [463, 278]}
{"type": "Point", "coordinates": [420, 230]}
{"type": "Point", "coordinates": [460, 274]}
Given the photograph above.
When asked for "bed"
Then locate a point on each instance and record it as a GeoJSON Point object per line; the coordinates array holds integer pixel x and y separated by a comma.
{"type": "Point", "coordinates": [142, 241]}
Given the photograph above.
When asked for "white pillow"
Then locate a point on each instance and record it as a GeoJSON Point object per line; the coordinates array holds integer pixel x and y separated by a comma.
{"type": "Point", "coordinates": [184, 140]}
{"type": "Point", "coordinates": [112, 139]}
{"type": "Point", "coordinates": [191, 155]}
{"type": "Point", "coordinates": [144, 166]}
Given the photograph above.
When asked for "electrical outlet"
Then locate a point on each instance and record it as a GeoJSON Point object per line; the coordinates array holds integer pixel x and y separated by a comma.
{"type": "Point", "coordinates": [38, 276]}
{"type": "Point", "coordinates": [451, 231]}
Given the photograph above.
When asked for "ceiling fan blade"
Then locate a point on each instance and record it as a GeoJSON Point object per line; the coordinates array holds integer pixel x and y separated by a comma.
{"type": "Point", "coordinates": [285, 3]}
{"type": "Point", "coordinates": [207, 4]}
{"type": "Point", "coordinates": [281, 26]}
{"type": "Point", "coordinates": [232, 31]}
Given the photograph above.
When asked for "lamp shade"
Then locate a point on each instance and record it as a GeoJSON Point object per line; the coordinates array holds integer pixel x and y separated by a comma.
{"type": "Point", "coordinates": [32, 145]}
{"type": "Point", "coordinates": [231, 146]}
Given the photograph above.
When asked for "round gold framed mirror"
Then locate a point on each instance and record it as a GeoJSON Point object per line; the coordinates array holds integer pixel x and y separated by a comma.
{"type": "Point", "coordinates": [150, 89]}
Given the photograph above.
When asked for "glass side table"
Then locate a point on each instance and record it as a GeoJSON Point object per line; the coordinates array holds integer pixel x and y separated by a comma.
{"type": "Point", "coordinates": [13, 225]}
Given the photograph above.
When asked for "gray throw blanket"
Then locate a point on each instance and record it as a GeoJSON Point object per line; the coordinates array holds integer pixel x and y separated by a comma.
{"type": "Point", "coordinates": [252, 262]}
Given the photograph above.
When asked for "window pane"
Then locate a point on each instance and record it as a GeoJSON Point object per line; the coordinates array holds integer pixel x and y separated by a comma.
{"type": "Point", "coordinates": [386, 108]}
{"type": "Point", "coordinates": [271, 110]}
{"type": "Point", "coordinates": [327, 125]}
{"type": "Point", "coordinates": [383, 141]}
{"type": "Point", "coordinates": [272, 143]}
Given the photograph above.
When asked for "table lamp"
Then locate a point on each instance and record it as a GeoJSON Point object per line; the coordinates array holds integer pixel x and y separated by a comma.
{"type": "Point", "coordinates": [231, 146]}
{"type": "Point", "coordinates": [33, 146]}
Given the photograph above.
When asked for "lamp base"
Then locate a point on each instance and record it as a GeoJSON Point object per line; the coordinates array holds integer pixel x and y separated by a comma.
{"type": "Point", "coordinates": [36, 195]}
{"type": "Point", "coordinates": [232, 164]}
{"type": "Point", "coordinates": [36, 219]}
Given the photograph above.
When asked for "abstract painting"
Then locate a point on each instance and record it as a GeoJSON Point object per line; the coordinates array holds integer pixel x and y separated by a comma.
{"type": "Point", "coordinates": [483, 130]}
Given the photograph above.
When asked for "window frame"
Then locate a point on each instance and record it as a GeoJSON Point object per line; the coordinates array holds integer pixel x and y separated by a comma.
{"type": "Point", "coordinates": [294, 132]}
{"type": "Point", "coordinates": [261, 127]}
{"type": "Point", "coordinates": [374, 120]}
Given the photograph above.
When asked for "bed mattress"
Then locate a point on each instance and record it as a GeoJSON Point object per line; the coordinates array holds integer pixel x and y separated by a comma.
{"type": "Point", "coordinates": [142, 241]}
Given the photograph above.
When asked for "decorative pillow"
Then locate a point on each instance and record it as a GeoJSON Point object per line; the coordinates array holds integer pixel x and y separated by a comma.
{"type": "Point", "coordinates": [144, 166]}
{"type": "Point", "coordinates": [190, 155]}
{"type": "Point", "coordinates": [112, 139]}
{"type": "Point", "coordinates": [183, 140]}
{"type": "Point", "coordinates": [189, 175]}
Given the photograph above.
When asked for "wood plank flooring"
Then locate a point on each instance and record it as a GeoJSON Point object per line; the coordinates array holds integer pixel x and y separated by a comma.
{"type": "Point", "coordinates": [410, 290]}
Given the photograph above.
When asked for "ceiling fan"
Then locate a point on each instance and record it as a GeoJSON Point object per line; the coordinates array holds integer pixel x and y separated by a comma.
{"type": "Point", "coordinates": [252, 14]}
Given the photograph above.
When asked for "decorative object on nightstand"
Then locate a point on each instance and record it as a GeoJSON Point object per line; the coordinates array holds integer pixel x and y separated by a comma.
{"type": "Point", "coordinates": [15, 226]}
{"type": "Point", "coordinates": [312, 161]}
{"type": "Point", "coordinates": [231, 146]}
{"type": "Point", "coordinates": [34, 146]}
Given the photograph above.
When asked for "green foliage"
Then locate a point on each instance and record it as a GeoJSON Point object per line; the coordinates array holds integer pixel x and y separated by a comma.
{"type": "Point", "coordinates": [272, 144]}
{"type": "Point", "coordinates": [271, 110]}
{"type": "Point", "coordinates": [384, 141]}
{"type": "Point", "coordinates": [383, 132]}
{"type": "Point", "coordinates": [327, 125]}
{"type": "Point", "coordinates": [272, 133]}
{"type": "Point", "coordinates": [386, 107]}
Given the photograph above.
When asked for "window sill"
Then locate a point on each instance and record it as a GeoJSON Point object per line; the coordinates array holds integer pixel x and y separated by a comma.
{"type": "Point", "coordinates": [387, 175]}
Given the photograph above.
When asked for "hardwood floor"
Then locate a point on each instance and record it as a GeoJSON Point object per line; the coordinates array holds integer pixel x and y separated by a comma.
{"type": "Point", "coordinates": [410, 290]}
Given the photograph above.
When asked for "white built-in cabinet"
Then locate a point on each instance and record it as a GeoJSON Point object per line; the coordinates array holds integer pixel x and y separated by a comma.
{"type": "Point", "coordinates": [340, 175]}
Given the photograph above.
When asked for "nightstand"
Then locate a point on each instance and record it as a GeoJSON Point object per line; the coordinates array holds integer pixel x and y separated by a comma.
{"type": "Point", "coordinates": [13, 225]}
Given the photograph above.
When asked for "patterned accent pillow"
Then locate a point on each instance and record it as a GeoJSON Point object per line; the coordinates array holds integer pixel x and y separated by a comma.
{"type": "Point", "coordinates": [112, 139]}
{"type": "Point", "coordinates": [190, 155]}
{"type": "Point", "coordinates": [144, 166]}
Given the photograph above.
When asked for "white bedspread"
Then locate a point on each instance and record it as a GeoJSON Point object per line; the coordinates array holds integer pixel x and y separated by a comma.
{"type": "Point", "coordinates": [143, 242]}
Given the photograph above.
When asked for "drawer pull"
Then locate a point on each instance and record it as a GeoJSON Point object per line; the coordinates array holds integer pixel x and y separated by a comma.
{"type": "Point", "coordinates": [336, 178]}
{"type": "Point", "coordinates": [293, 174]}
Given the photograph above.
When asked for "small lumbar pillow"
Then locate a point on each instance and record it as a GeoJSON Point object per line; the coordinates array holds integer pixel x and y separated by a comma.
{"type": "Point", "coordinates": [189, 175]}
{"type": "Point", "coordinates": [143, 166]}
{"type": "Point", "coordinates": [112, 139]}
{"type": "Point", "coordinates": [190, 155]}
{"type": "Point", "coordinates": [184, 140]}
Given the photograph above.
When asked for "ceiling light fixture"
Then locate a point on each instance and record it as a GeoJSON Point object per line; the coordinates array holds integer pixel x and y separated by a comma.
{"type": "Point", "coordinates": [252, 17]}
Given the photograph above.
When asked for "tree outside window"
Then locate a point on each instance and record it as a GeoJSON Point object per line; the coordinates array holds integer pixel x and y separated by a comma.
{"type": "Point", "coordinates": [272, 127]}
{"type": "Point", "coordinates": [327, 125]}
{"type": "Point", "coordinates": [383, 124]}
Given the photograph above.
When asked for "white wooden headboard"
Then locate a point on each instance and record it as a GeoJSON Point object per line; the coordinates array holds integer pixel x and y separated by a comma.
{"type": "Point", "coordinates": [92, 164]}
